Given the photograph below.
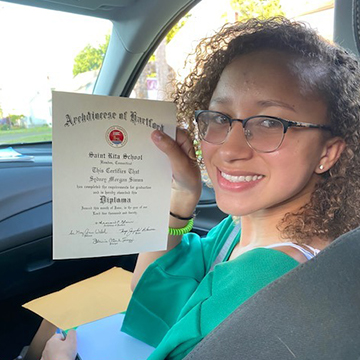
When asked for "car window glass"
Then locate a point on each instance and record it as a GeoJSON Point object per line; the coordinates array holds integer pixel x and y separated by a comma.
{"type": "Point", "coordinates": [44, 50]}
{"type": "Point", "coordinates": [168, 62]}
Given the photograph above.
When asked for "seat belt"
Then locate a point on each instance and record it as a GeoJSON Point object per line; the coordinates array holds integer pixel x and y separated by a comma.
{"type": "Point", "coordinates": [224, 250]}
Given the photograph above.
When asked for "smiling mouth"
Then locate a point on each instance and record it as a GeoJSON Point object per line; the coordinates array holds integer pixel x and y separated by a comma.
{"type": "Point", "coordinates": [237, 179]}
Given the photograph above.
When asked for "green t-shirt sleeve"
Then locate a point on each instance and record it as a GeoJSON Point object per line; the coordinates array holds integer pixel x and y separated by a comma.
{"type": "Point", "coordinates": [169, 282]}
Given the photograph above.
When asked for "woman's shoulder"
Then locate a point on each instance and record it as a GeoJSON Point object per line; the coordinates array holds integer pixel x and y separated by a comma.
{"type": "Point", "coordinates": [292, 252]}
{"type": "Point", "coordinates": [262, 259]}
{"type": "Point", "coordinates": [299, 252]}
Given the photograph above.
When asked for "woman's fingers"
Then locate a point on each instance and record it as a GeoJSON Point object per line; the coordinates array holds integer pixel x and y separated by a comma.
{"type": "Point", "coordinates": [177, 150]}
{"type": "Point", "coordinates": [186, 173]}
{"type": "Point", "coordinates": [71, 338]}
{"type": "Point", "coordinates": [185, 143]}
{"type": "Point", "coordinates": [58, 348]}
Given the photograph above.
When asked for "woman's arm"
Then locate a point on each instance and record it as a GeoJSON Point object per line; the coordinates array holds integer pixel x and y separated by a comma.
{"type": "Point", "coordinates": [185, 193]}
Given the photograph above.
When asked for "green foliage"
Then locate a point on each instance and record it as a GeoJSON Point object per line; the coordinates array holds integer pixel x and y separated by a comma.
{"type": "Point", "coordinates": [14, 118]}
{"type": "Point", "coordinates": [170, 35]}
{"type": "Point", "coordinates": [5, 127]}
{"type": "Point", "coordinates": [90, 58]}
{"type": "Point", "coordinates": [12, 122]}
{"type": "Point", "coordinates": [1, 113]}
{"type": "Point", "coordinates": [245, 9]}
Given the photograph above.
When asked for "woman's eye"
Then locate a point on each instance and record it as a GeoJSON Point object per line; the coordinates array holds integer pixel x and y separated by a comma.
{"type": "Point", "coordinates": [220, 120]}
{"type": "Point", "coordinates": [270, 123]}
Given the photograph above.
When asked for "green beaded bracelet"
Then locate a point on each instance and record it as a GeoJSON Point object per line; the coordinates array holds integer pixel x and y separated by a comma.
{"type": "Point", "coordinates": [183, 230]}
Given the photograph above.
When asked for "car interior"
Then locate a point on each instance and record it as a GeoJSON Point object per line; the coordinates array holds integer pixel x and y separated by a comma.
{"type": "Point", "coordinates": [311, 312]}
{"type": "Point", "coordinates": [27, 270]}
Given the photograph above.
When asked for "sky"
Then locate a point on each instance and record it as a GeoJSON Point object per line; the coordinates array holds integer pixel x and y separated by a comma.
{"type": "Point", "coordinates": [25, 61]}
{"type": "Point", "coordinates": [27, 66]}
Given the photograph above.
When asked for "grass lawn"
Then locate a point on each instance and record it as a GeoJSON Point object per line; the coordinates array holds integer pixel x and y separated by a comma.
{"type": "Point", "coordinates": [39, 129]}
{"type": "Point", "coordinates": [31, 139]}
{"type": "Point", "coordinates": [37, 134]}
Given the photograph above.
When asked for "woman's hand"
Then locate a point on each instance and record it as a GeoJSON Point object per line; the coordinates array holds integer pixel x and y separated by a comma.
{"type": "Point", "coordinates": [186, 184]}
{"type": "Point", "coordinates": [185, 194]}
{"type": "Point", "coordinates": [58, 348]}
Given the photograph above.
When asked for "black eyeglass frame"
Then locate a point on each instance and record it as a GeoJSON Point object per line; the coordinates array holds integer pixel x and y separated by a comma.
{"type": "Point", "coordinates": [286, 124]}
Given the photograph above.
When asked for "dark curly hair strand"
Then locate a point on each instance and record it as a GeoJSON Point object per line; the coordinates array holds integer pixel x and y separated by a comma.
{"type": "Point", "coordinates": [333, 74]}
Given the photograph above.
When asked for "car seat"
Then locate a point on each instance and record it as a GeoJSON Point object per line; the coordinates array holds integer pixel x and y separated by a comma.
{"type": "Point", "coordinates": [312, 312]}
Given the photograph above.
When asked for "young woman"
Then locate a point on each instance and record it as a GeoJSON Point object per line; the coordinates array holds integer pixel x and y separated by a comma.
{"type": "Point", "coordinates": [277, 120]}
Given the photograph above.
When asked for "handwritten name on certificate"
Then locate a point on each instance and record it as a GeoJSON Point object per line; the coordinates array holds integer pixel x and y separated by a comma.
{"type": "Point", "coordinates": [111, 184]}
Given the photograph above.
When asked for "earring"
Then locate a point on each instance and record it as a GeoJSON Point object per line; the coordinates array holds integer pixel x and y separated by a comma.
{"type": "Point", "coordinates": [321, 167]}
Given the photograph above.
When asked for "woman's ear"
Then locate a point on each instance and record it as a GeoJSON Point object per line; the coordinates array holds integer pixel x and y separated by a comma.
{"type": "Point", "coordinates": [332, 151]}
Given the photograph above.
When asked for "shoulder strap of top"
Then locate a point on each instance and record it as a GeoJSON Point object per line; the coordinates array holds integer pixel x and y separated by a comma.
{"type": "Point", "coordinates": [224, 250]}
{"type": "Point", "coordinates": [315, 251]}
{"type": "Point", "coordinates": [308, 254]}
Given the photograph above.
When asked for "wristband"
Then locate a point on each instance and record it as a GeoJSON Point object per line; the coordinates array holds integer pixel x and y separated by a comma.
{"type": "Point", "coordinates": [180, 217]}
{"type": "Point", "coordinates": [183, 230]}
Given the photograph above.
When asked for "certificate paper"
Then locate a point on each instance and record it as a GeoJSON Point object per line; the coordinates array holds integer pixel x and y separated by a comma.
{"type": "Point", "coordinates": [111, 184]}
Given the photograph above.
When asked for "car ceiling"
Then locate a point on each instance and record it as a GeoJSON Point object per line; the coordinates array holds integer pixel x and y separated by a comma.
{"type": "Point", "coordinates": [345, 31]}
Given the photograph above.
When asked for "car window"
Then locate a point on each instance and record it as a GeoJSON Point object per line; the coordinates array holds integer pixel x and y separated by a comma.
{"type": "Point", "coordinates": [167, 64]}
{"type": "Point", "coordinates": [44, 50]}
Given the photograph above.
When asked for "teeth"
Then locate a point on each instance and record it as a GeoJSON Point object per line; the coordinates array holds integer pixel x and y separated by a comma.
{"type": "Point", "coordinates": [248, 178]}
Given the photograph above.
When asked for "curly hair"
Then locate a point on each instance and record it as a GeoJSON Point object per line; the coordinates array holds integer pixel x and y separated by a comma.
{"type": "Point", "coordinates": [335, 77]}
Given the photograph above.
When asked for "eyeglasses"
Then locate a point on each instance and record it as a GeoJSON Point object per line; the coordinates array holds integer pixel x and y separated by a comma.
{"type": "Point", "coordinates": [262, 133]}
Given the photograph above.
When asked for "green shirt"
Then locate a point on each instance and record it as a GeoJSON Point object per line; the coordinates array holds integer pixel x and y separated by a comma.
{"type": "Point", "coordinates": [178, 301]}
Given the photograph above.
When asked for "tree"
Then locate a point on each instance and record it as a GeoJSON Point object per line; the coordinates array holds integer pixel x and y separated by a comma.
{"type": "Point", "coordinates": [177, 27]}
{"type": "Point", "coordinates": [15, 119]}
{"type": "Point", "coordinates": [245, 9]}
{"type": "Point", "coordinates": [90, 58]}
{"type": "Point", "coordinates": [158, 68]}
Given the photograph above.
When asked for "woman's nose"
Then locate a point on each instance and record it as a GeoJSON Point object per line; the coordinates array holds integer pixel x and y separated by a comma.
{"type": "Point", "coordinates": [235, 146]}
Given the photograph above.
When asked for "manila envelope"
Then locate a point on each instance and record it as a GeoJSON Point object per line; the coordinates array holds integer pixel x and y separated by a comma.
{"type": "Point", "coordinates": [92, 299]}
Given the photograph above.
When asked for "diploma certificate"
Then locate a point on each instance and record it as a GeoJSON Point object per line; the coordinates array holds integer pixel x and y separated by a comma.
{"type": "Point", "coordinates": [111, 184]}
